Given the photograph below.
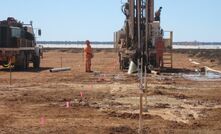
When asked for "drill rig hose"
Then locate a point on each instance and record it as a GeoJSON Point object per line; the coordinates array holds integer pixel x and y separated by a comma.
{"type": "Point", "coordinates": [125, 9]}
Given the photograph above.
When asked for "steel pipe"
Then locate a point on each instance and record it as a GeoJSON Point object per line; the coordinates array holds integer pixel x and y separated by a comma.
{"type": "Point", "coordinates": [60, 69]}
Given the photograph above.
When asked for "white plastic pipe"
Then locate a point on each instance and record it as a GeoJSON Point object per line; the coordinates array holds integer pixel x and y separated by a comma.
{"type": "Point", "coordinates": [60, 69]}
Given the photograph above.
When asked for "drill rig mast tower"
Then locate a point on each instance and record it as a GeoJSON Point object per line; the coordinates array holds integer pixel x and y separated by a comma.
{"type": "Point", "coordinates": [138, 39]}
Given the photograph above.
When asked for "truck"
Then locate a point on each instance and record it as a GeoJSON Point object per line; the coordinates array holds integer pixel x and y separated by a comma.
{"type": "Point", "coordinates": [18, 46]}
{"type": "Point", "coordinates": [141, 39]}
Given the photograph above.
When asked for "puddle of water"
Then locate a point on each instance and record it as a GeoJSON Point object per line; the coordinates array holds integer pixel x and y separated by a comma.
{"type": "Point", "coordinates": [208, 76]}
{"type": "Point", "coordinates": [213, 75]}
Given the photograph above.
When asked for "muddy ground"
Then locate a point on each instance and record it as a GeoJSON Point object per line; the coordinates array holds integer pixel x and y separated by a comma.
{"type": "Point", "coordinates": [106, 101]}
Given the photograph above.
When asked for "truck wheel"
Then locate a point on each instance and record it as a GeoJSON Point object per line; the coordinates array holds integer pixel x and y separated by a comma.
{"type": "Point", "coordinates": [21, 62]}
{"type": "Point", "coordinates": [26, 62]}
{"type": "Point", "coordinates": [36, 62]}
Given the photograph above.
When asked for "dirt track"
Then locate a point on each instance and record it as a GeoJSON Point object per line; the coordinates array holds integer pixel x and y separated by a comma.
{"type": "Point", "coordinates": [36, 102]}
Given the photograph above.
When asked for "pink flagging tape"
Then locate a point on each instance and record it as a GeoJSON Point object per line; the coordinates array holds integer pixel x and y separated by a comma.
{"type": "Point", "coordinates": [67, 104]}
{"type": "Point", "coordinates": [81, 93]}
{"type": "Point", "coordinates": [42, 121]}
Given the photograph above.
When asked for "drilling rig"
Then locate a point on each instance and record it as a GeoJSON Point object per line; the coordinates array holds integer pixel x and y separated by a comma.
{"type": "Point", "coordinates": [141, 38]}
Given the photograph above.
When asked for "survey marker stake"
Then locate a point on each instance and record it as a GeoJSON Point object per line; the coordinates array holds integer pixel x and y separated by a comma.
{"type": "Point", "coordinates": [67, 104]}
{"type": "Point", "coordinates": [10, 67]}
{"type": "Point", "coordinates": [61, 62]}
{"type": "Point", "coordinates": [42, 120]}
{"type": "Point", "coordinates": [81, 93]}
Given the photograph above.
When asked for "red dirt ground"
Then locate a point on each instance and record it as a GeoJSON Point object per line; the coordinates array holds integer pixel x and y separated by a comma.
{"type": "Point", "coordinates": [36, 101]}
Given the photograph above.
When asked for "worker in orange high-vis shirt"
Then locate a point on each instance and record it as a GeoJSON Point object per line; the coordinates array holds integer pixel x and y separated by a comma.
{"type": "Point", "coordinates": [88, 55]}
{"type": "Point", "coordinates": [160, 48]}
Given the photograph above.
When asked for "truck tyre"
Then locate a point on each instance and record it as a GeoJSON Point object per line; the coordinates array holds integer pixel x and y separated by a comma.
{"type": "Point", "coordinates": [26, 61]}
{"type": "Point", "coordinates": [21, 62]}
{"type": "Point", "coordinates": [36, 62]}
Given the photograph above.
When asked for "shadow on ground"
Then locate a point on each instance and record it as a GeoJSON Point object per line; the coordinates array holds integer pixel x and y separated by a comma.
{"type": "Point", "coordinates": [31, 69]}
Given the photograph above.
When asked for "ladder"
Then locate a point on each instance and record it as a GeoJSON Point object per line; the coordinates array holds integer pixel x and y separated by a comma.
{"type": "Point", "coordinates": [168, 59]}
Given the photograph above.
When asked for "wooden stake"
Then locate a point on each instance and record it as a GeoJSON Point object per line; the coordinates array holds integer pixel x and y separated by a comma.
{"type": "Point", "coordinates": [145, 87]}
{"type": "Point", "coordinates": [145, 79]}
{"type": "Point", "coordinates": [10, 67]}
{"type": "Point", "coordinates": [61, 63]}
{"type": "Point", "coordinates": [141, 114]}
{"type": "Point", "coordinates": [141, 98]}
{"type": "Point", "coordinates": [10, 75]}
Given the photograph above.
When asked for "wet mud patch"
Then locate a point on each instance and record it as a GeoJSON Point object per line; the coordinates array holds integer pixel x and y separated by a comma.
{"type": "Point", "coordinates": [134, 116]}
{"type": "Point", "coordinates": [122, 130]}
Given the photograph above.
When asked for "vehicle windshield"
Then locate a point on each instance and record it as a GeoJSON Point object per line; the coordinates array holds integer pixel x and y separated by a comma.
{"type": "Point", "coordinates": [15, 32]}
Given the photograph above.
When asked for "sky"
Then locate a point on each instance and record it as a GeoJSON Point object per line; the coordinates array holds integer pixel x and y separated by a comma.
{"type": "Point", "coordinates": [97, 20]}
